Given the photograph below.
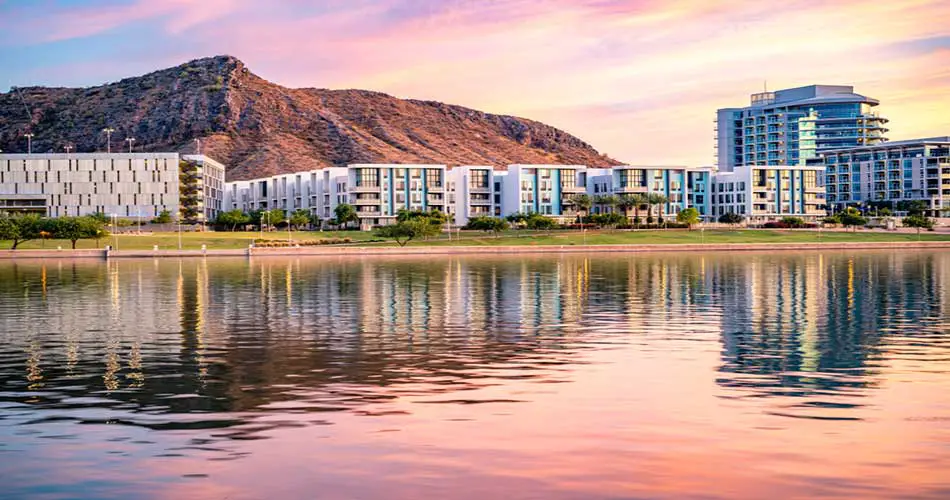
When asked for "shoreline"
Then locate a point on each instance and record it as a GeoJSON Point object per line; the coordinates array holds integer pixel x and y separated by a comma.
{"type": "Point", "coordinates": [466, 250]}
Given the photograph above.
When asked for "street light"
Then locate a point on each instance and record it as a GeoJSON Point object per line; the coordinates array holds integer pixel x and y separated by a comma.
{"type": "Point", "coordinates": [29, 143]}
{"type": "Point", "coordinates": [130, 140]}
{"type": "Point", "coordinates": [290, 235]}
{"type": "Point", "coordinates": [108, 131]}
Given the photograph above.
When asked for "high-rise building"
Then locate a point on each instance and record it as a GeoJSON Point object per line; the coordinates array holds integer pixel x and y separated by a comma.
{"type": "Point", "coordinates": [791, 126]}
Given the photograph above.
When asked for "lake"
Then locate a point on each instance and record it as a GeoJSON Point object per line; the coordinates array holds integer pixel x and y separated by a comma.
{"type": "Point", "coordinates": [744, 375]}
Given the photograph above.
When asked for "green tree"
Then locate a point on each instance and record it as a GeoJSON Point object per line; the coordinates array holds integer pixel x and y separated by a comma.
{"type": "Point", "coordinates": [582, 203]}
{"type": "Point", "coordinates": [607, 219]}
{"type": "Point", "coordinates": [233, 218]}
{"type": "Point", "coordinates": [731, 218]}
{"type": "Point", "coordinates": [344, 215]}
{"type": "Point", "coordinates": [793, 221]}
{"type": "Point", "coordinates": [487, 224]}
{"type": "Point", "coordinates": [656, 199]}
{"type": "Point", "coordinates": [434, 217]}
{"type": "Point", "coordinates": [688, 216]}
{"type": "Point", "coordinates": [638, 201]}
{"type": "Point", "coordinates": [20, 228]}
{"type": "Point", "coordinates": [518, 218]}
{"type": "Point", "coordinates": [164, 217]}
{"type": "Point", "coordinates": [912, 207]}
{"type": "Point", "coordinates": [852, 218]}
{"type": "Point", "coordinates": [539, 222]}
{"type": "Point", "coordinates": [919, 222]}
{"type": "Point", "coordinates": [299, 217]}
{"type": "Point", "coordinates": [76, 228]}
{"type": "Point", "coordinates": [625, 203]}
{"type": "Point", "coordinates": [409, 229]}
{"type": "Point", "coordinates": [609, 201]}
{"type": "Point", "coordinates": [101, 217]}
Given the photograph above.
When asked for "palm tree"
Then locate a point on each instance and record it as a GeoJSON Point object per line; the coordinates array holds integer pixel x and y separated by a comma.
{"type": "Point", "coordinates": [611, 201]}
{"type": "Point", "coordinates": [656, 199]}
{"type": "Point", "coordinates": [581, 202]}
{"type": "Point", "coordinates": [638, 201]}
{"type": "Point", "coordinates": [625, 202]}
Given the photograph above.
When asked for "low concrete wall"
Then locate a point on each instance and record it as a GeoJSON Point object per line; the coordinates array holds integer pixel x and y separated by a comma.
{"type": "Point", "coordinates": [460, 250]}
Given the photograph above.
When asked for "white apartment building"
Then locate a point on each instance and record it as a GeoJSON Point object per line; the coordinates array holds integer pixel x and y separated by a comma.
{"type": "Point", "coordinates": [541, 189]}
{"type": "Point", "coordinates": [471, 192]}
{"type": "Point", "coordinates": [126, 185]}
{"type": "Point", "coordinates": [683, 187]}
{"type": "Point", "coordinates": [767, 193]}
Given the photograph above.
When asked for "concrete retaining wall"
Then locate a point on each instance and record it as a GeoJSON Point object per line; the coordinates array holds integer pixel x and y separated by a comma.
{"type": "Point", "coordinates": [448, 250]}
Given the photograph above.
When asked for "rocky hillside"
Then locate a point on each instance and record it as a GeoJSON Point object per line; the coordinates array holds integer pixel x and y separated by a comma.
{"type": "Point", "coordinates": [259, 128]}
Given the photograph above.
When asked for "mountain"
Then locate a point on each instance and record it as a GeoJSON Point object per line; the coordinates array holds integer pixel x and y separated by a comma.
{"type": "Point", "coordinates": [259, 128]}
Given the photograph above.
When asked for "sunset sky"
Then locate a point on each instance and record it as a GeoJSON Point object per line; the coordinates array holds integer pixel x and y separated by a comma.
{"type": "Point", "coordinates": [638, 79]}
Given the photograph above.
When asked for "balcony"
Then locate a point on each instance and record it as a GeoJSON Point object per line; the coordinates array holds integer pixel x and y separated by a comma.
{"type": "Point", "coordinates": [435, 189]}
{"type": "Point", "coordinates": [573, 190]}
{"type": "Point", "coordinates": [479, 190]}
{"type": "Point", "coordinates": [368, 213]}
{"type": "Point", "coordinates": [366, 188]}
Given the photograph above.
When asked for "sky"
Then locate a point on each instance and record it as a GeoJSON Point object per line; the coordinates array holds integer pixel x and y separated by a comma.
{"type": "Point", "coordinates": [640, 80]}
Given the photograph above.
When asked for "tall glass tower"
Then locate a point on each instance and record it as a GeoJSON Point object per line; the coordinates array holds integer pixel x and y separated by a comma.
{"type": "Point", "coordinates": [790, 126]}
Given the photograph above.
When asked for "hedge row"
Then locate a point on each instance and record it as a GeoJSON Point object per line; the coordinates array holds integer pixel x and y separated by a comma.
{"type": "Point", "coordinates": [300, 243]}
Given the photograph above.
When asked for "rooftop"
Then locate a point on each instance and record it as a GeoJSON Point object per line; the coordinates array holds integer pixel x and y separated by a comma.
{"type": "Point", "coordinates": [940, 140]}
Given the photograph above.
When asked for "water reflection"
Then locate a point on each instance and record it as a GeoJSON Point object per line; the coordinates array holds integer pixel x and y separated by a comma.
{"type": "Point", "coordinates": [232, 351]}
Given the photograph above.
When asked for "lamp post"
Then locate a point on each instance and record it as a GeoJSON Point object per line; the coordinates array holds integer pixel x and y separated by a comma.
{"type": "Point", "coordinates": [108, 131]}
{"type": "Point", "coordinates": [290, 234]}
{"type": "Point", "coordinates": [179, 231]}
{"type": "Point", "coordinates": [130, 140]}
{"type": "Point", "coordinates": [29, 143]}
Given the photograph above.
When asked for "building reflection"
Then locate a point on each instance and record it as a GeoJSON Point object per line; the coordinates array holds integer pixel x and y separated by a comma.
{"type": "Point", "coordinates": [336, 334]}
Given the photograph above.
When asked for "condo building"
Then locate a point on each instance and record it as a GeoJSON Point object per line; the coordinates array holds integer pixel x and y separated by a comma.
{"type": "Point", "coordinates": [766, 193]}
{"type": "Point", "coordinates": [379, 192]}
{"type": "Point", "coordinates": [541, 189]}
{"type": "Point", "coordinates": [791, 126]}
{"type": "Point", "coordinates": [470, 192]}
{"type": "Point", "coordinates": [890, 172]}
{"type": "Point", "coordinates": [125, 185]}
{"type": "Point", "coordinates": [683, 187]}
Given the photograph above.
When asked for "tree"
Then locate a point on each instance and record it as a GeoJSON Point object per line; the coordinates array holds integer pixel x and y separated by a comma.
{"type": "Point", "coordinates": [164, 217]}
{"type": "Point", "coordinates": [656, 199]}
{"type": "Point", "coordinates": [487, 224]}
{"type": "Point", "coordinates": [407, 230]}
{"type": "Point", "coordinates": [582, 202]}
{"type": "Point", "coordinates": [75, 228]}
{"type": "Point", "coordinates": [638, 201]}
{"type": "Point", "coordinates": [731, 218]}
{"type": "Point", "coordinates": [608, 219]}
{"type": "Point", "coordinates": [539, 222]}
{"type": "Point", "coordinates": [919, 222]}
{"type": "Point", "coordinates": [688, 216]}
{"type": "Point", "coordinates": [851, 217]}
{"type": "Point", "coordinates": [101, 217]}
{"type": "Point", "coordinates": [625, 202]}
{"type": "Point", "coordinates": [19, 228]}
{"type": "Point", "coordinates": [434, 217]}
{"type": "Point", "coordinates": [345, 214]}
{"type": "Point", "coordinates": [518, 218]}
{"type": "Point", "coordinates": [610, 201]}
{"type": "Point", "coordinates": [793, 222]}
{"type": "Point", "coordinates": [233, 218]}
{"type": "Point", "coordinates": [912, 207]}
{"type": "Point", "coordinates": [299, 217]}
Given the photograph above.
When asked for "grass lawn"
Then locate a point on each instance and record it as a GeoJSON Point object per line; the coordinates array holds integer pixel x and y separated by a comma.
{"type": "Point", "coordinates": [237, 240]}
{"type": "Point", "coordinates": [190, 241]}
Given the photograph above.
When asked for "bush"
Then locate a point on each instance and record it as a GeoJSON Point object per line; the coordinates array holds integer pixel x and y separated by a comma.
{"type": "Point", "coordinates": [302, 243]}
{"type": "Point", "coordinates": [731, 218]}
{"type": "Point", "coordinates": [782, 224]}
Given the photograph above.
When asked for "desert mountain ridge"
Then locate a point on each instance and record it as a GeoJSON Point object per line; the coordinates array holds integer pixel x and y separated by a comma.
{"type": "Point", "coordinates": [258, 128]}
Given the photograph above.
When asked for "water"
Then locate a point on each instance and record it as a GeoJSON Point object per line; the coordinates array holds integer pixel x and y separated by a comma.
{"type": "Point", "coordinates": [738, 376]}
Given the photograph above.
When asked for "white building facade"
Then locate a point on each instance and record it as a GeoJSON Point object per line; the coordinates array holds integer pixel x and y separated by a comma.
{"type": "Point", "coordinates": [761, 194]}
{"type": "Point", "coordinates": [125, 185]}
{"type": "Point", "coordinates": [471, 192]}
